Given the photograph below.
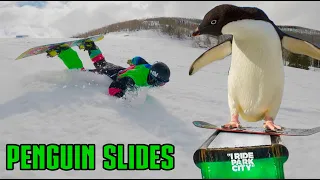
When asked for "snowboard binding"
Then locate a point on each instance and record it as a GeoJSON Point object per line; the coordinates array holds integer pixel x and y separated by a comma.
{"type": "Point", "coordinates": [56, 50]}
{"type": "Point", "coordinates": [87, 45]}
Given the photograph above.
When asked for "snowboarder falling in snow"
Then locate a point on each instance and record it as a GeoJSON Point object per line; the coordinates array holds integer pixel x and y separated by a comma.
{"type": "Point", "coordinates": [139, 74]}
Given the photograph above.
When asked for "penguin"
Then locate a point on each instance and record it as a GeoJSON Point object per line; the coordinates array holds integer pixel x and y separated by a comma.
{"type": "Point", "coordinates": [256, 73]}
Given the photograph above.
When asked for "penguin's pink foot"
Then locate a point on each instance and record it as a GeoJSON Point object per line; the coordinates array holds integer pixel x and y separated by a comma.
{"type": "Point", "coordinates": [234, 123]}
{"type": "Point", "coordinates": [269, 125]}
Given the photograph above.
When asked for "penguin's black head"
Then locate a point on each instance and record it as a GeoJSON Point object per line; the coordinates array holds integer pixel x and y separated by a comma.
{"type": "Point", "coordinates": [219, 16]}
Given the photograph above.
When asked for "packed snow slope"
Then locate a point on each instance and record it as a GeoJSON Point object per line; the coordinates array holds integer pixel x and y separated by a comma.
{"type": "Point", "coordinates": [42, 102]}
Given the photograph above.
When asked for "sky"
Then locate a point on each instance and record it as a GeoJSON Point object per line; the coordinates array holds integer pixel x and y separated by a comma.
{"type": "Point", "coordinates": [67, 18]}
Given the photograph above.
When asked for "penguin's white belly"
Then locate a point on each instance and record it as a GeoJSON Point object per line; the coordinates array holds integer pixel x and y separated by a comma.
{"type": "Point", "coordinates": [256, 78]}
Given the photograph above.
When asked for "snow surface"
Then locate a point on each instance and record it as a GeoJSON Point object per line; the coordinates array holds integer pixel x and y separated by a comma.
{"type": "Point", "coordinates": [42, 102]}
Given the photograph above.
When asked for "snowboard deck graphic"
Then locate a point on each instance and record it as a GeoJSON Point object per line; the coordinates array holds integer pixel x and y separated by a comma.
{"type": "Point", "coordinates": [261, 130]}
{"type": "Point", "coordinates": [43, 48]}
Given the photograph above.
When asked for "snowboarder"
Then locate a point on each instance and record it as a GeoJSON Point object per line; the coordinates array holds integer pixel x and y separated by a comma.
{"type": "Point", "coordinates": [139, 73]}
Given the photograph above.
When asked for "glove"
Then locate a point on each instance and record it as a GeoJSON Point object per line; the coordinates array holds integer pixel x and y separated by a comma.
{"type": "Point", "coordinates": [129, 62]}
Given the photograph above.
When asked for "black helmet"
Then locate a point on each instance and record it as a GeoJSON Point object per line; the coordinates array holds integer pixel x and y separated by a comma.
{"type": "Point", "coordinates": [159, 74]}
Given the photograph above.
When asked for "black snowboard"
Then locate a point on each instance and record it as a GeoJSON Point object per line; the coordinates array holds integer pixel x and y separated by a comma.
{"type": "Point", "coordinates": [261, 130]}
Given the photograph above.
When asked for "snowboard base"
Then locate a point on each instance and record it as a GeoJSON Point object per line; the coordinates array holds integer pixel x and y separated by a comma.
{"type": "Point", "coordinates": [260, 130]}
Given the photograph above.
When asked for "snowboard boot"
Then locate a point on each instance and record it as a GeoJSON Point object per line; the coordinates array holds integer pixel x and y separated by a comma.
{"type": "Point", "coordinates": [68, 56]}
{"type": "Point", "coordinates": [95, 53]}
{"type": "Point", "coordinates": [57, 50]}
{"type": "Point", "coordinates": [87, 45]}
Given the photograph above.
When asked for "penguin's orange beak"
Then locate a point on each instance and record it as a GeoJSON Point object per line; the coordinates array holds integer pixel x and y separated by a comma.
{"type": "Point", "coordinates": [196, 32]}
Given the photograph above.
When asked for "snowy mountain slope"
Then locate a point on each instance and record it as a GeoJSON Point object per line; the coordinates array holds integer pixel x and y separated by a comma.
{"type": "Point", "coordinates": [41, 102]}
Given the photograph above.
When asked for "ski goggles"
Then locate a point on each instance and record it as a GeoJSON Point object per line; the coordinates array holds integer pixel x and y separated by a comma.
{"type": "Point", "coordinates": [155, 81]}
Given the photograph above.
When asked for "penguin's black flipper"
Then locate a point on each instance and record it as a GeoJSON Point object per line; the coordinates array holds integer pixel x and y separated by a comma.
{"type": "Point", "coordinates": [299, 46]}
{"type": "Point", "coordinates": [310, 35]}
{"type": "Point", "coordinates": [217, 52]}
{"type": "Point", "coordinates": [300, 40]}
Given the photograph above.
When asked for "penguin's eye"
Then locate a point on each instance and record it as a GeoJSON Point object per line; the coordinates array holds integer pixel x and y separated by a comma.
{"type": "Point", "coordinates": [213, 22]}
